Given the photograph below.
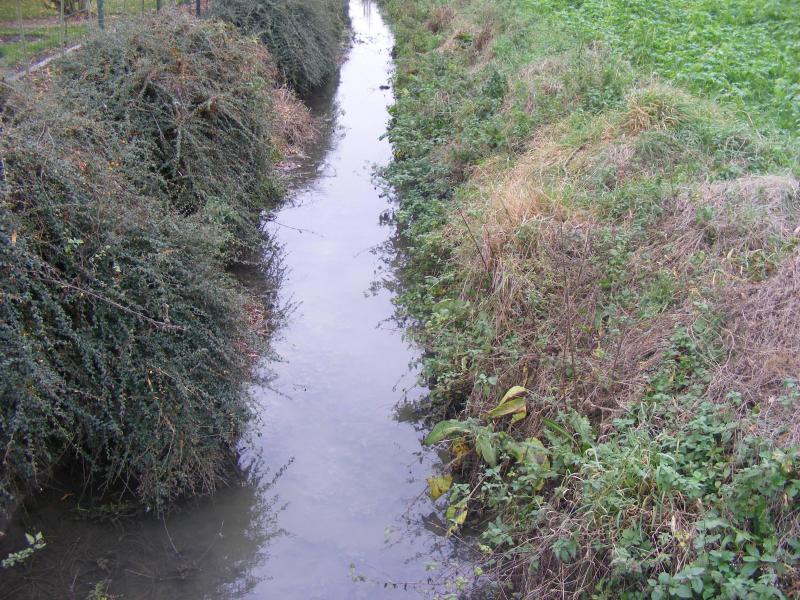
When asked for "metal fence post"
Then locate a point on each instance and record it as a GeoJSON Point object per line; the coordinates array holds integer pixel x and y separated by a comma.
{"type": "Point", "coordinates": [61, 32]}
{"type": "Point", "coordinates": [23, 36]}
{"type": "Point", "coordinates": [101, 14]}
{"type": "Point", "coordinates": [197, 8]}
{"type": "Point", "coordinates": [158, 4]}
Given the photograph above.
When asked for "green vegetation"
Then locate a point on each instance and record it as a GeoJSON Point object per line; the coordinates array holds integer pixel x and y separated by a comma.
{"type": "Point", "coordinates": [48, 9]}
{"type": "Point", "coordinates": [29, 9]}
{"type": "Point", "coordinates": [41, 34]}
{"type": "Point", "coordinates": [304, 36]}
{"type": "Point", "coordinates": [134, 175]}
{"type": "Point", "coordinates": [605, 271]}
{"type": "Point", "coordinates": [746, 52]}
{"type": "Point", "coordinates": [36, 41]}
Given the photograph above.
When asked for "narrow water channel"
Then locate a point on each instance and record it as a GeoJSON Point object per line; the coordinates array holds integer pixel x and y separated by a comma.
{"type": "Point", "coordinates": [335, 507]}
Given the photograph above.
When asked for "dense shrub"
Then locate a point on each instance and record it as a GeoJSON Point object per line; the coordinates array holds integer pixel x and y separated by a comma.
{"type": "Point", "coordinates": [303, 36]}
{"type": "Point", "coordinates": [196, 99]}
{"type": "Point", "coordinates": [131, 178]}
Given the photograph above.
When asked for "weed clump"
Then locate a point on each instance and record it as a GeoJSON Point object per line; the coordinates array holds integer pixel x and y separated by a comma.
{"type": "Point", "coordinates": [303, 36]}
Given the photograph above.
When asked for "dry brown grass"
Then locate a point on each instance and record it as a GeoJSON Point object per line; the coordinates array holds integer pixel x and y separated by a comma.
{"type": "Point", "coordinates": [655, 107]}
{"type": "Point", "coordinates": [296, 127]}
{"type": "Point", "coordinates": [440, 19]}
{"type": "Point", "coordinates": [474, 40]}
{"type": "Point", "coordinates": [534, 248]}
{"type": "Point", "coordinates": [763, 333]}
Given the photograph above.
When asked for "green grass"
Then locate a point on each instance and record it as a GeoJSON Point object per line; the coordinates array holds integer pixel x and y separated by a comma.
{"type": "Point", "coordinates": [745, 52]}
{"type": "Point", "coordinates": [29, 9]}
{"type": "Point", "coordinates": [38, 41]}
{"type": "Point", "coordinates": [41, 39]}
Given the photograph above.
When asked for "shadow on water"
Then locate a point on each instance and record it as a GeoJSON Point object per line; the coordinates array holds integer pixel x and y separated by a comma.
{"type": "Point", "coordinates": [353, 519]}
{"type": "Point", "coordinates": [211, 548]}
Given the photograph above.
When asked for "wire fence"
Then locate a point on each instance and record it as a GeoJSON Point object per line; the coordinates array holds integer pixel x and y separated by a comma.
{"type": "Point", "coordinates": [32, 32]}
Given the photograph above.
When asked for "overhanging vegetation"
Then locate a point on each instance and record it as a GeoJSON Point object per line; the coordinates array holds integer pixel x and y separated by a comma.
{"type": "Point", "coordinates": [303, 36]}
{"type": "Point", "coordinates": [134, 175]}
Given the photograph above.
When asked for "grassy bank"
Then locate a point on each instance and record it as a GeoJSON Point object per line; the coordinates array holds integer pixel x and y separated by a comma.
{"type": "Point", "coordinates": [604, 268]}
{"type": "Point", "coordinates": [135, 174]}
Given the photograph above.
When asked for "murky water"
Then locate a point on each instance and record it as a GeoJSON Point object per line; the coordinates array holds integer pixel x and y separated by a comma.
{"type": "Point", "coordinates": [348, 515]}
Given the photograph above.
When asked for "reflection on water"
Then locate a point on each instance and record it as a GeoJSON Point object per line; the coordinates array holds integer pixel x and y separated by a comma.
{"type": "Point", "coordinates": [356, 522]}
{"type": "Point", "coordinates": [209, 549]}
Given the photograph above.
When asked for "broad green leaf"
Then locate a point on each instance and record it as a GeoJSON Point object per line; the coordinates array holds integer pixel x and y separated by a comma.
{"type": "Point", "coordinates": [697, 585]}
{"type": "Point", "coordinates": [444, 429]}
{"type": "Point", "coordinates": [531, 449]}
{"type": "Point", "coordinates": [485, 448]}
{"type": "Point", "coordinates": [515, 450]}
{"type": "Point", "coordinates": [515, 405]}
{"type": "Point", "coordinates": [439, 485]}
{"type": "Point", "coordinates": [681, 591]}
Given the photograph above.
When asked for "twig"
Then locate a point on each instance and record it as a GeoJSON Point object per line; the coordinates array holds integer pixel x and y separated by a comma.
{"type": "Point", "coordinates": [474, 239]}
{"type": "Point", "coordinates": [111, 302]}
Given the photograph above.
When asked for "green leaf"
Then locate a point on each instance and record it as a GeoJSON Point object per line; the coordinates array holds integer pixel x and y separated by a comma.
{"type": "Point", "coordinates": [515, 405]}
{"type": "Point", "coordinates": [439, 485]}
{"type": "Point", "coordinates": [749, 568]}
{"type": "Point", "coordinates": [457, 520]}
{"type": "Point", "coordinates": [697, 585]}
{"type": "Point", "coordinates": [682, 591]}
{"type": "Point", "coordinates": [444, 429]}
{"type": "Point", "coordinates": [485, 448]}
{"type": "Point", "coordinates": [557, 428]}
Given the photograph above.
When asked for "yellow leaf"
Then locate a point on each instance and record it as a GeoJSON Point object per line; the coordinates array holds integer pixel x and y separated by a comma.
{"type": "Point", "coordinates": [439, 485]}
{"type": "Point", "coordinates": [515, 391]}
{"type": "Point", "coordinates": [460, 449]}
{"type": "Point", "coordinates": [508, 407]}
{"type": "Point", "coordinates": [457, 521]}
